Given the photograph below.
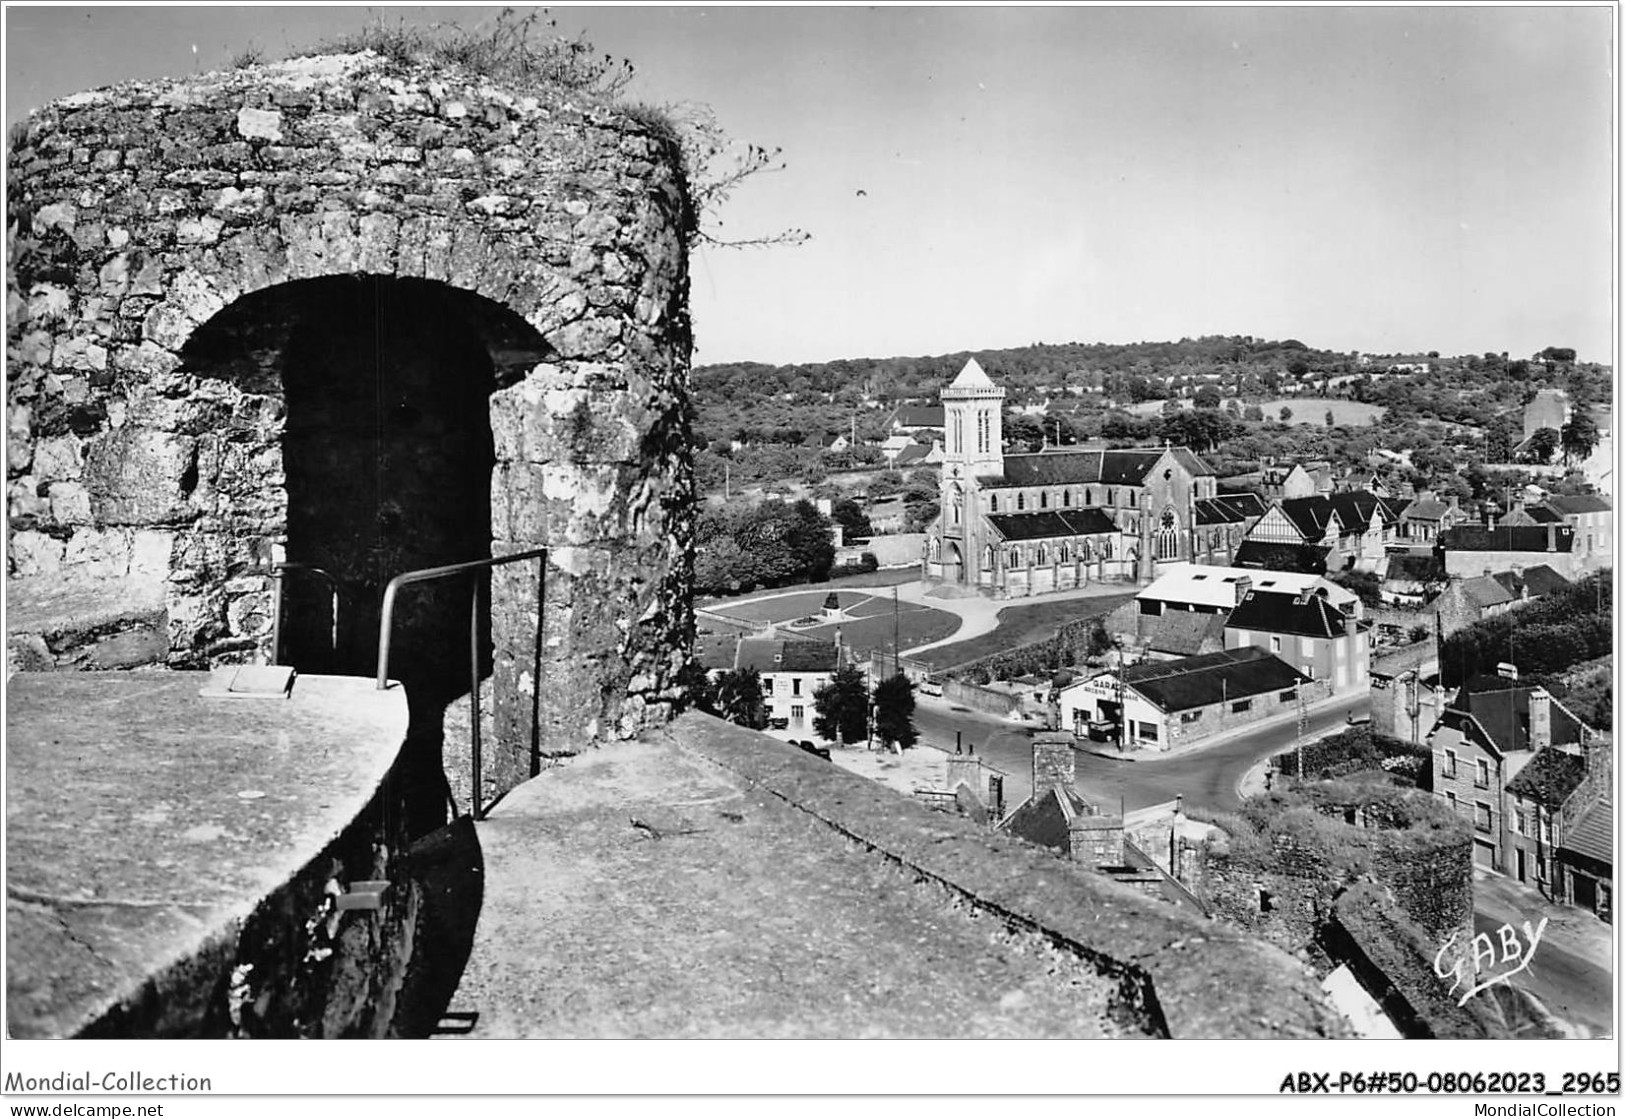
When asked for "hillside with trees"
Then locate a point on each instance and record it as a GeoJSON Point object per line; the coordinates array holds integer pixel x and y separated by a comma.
{"type": "Point", "coordinates": [1444, 417]}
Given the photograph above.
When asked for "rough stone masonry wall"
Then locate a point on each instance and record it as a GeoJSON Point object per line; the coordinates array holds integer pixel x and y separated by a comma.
{"type": "Point", "coordinates": [553, 232]}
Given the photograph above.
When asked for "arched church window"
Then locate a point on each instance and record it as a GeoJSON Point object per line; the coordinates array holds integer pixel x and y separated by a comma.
{"type": "Point", "coordinates": [1066, 497]}
{"type": "Point", "coordinates": [957, 497]}
{"type": "Point", "coordinates": [993, 503]}
{"type": "Point", "coordinates": [1111, 497]}
{"type": "Point", "coordinates": [1088, 552]}
{"type": "Point", "coordinates": [936, 549]}
{"type": "Point", "coordinates": [1167, 543]}
{"type": "Point", "coordinates": [1043, 499]}
{"type": "Point", "coordinates": [1021, 501]}
{"type": "Point", "coordinates": [1043, 554]}
{"type": "Point", "coordinates": [1013, 559]}
{"type": "Point", "coordinates": [989, 558]}
{"type": "Point", "coordinates": [1088, 497]}
{"type": "Point", "coordinates": [1066, 552]}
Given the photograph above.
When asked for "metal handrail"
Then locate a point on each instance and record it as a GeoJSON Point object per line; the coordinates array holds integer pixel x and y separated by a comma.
{"type": "Point", "coordinates": [276, 571]}
{"type": "Point", "coordinates": [386, 623]}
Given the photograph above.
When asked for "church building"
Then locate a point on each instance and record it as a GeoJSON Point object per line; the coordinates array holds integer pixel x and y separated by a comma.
{"type": "Point", "coordinates": [1019, 525]}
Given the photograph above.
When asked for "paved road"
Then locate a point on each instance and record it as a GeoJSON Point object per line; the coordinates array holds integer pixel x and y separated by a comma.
{"type": "Point", "coordinates": [1205, 778]}
{"type": "Point", "coordinates": [1574, 990]}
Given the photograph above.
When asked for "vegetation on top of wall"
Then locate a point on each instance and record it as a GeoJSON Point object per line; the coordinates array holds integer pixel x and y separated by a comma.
{"type": "Point", "coordinates": [1400, 826]}
{"type": "Point", "coordinates": [1354, 750]}
{"type": "Point", "coordinates": [521, 50]}
{"type": "Point", "coordinates": [526, 51]}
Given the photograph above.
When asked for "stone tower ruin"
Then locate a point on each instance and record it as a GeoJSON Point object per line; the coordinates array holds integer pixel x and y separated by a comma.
{"type": "Point", "coordinates": [365, 317]}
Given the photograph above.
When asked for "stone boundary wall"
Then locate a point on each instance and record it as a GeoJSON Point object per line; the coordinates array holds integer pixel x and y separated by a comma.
{"type": "Point", "coordinates": [153, 216]}
{"type": "Point", "coordinates": [1178, 976]}
{"type": "Point", "coordinates": [1414, 655]}
{"type": "Point", "coordinates": [981, 699]}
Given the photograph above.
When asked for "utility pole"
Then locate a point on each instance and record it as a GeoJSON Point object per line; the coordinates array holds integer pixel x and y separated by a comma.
{"type": "Point", "coordinates": [897, 667]}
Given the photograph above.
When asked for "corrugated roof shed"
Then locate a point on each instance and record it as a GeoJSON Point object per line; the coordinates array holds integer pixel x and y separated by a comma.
{"type": "Point", "coordinates": [1211, 678]}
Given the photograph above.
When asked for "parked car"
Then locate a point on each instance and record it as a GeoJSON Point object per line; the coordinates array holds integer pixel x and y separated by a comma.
{"type": "Point", "coordinates": [930, 687]}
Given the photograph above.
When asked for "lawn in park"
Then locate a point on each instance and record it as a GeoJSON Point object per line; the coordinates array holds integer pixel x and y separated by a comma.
{"type": "Point", "coordinates": [870, 623]}
{"type": "Point", "coordinates": [1023, 624]}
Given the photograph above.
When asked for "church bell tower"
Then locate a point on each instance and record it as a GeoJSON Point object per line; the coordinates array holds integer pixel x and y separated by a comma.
{"type": "Point", "coordinates": [973, 414]}
{"type": "Point", "coordinates": [973, 409]}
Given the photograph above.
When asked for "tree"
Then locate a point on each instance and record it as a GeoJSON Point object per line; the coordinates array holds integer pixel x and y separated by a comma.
{"type": "Point", "coordinates": [1365, 585]}
{"type": "Point", "coordinates": [739, 698]}
{"type": "Point", "coordinates": [696, 681]}
{"type": "Point", "coordinates": [850, 516]}
{"type": "Point", "coordinates": [1579, 436]}
{"type": "Point", "coordinates": [1286, 414]}
{"type": "Point", "coordinates": [1555, 355]}
{"type": "Point", "coordinates": [1024, 431]}
{"type": "Point", "coordinates": [841, 707]}
{"type": "Point", "coordinates": [1208, 397]}
{"type": "Point", "coordinates": [1253, 414]}
{"type": "Point", "coordinates": [894, 711]}
{"type": "Point", "coordinates": [1542, 444]}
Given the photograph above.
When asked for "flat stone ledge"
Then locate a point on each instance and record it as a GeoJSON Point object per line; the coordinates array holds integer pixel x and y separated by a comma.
{"type": "Point", "coordinates": [1198, 979]}
{"type": "Point", "coordinates": [53, 606]}
{"type": "Point", "coordinates": [145, 822]}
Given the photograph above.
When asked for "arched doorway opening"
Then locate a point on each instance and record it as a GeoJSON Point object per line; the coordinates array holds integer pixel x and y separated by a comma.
{"type": "Point", "coordinates": [375, 391]}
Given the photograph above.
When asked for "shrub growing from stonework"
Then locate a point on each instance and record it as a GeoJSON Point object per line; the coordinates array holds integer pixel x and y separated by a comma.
{"type": "Point", "coordinates": [739, 698]}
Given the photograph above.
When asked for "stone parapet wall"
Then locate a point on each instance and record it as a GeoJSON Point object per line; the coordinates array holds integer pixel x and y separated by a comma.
{"type": "Point", "coordinates": [179, 408]}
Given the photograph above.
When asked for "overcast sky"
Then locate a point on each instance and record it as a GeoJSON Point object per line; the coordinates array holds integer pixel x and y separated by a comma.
{"type": "Point", "coordinates": [1379, 179]}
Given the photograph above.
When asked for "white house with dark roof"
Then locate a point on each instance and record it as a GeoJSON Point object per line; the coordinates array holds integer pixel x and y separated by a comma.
{"type": "Point", "coordinates": [791, 672]}
{"type": "Point", "coordinates": [1308, 631]}
{"type": "Point", "coordinates": [1025, 524]}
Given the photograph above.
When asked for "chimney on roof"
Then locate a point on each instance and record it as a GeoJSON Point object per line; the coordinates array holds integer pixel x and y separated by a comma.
{"type": "Point", "coordinates": [1540, 719]}
{"type": "Point", "coordinates": [1244, 587]}
{"type": "Point", "coordinates": [1551, 538]}
{"type": "Point", "coordinates": [1054, 762]}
